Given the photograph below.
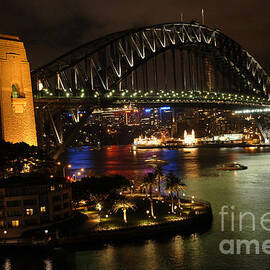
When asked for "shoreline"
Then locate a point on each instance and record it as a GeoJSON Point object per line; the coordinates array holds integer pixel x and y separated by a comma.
{"type": "Point", "coordinates": [196, 222]}
{"type": "Point", "coordinates": [201, 146]}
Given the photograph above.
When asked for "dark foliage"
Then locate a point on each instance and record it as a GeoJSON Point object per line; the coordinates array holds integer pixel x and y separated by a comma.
{"type": "Point", "coordinates": [98, 188]}
{"type": "Point", "coordinates": [21, 157]}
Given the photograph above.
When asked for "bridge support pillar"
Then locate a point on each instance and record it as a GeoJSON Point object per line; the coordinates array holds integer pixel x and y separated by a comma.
{"type": "Point", "coordinates": [263, 124]}
{"type": "Point", "coordinates": [16, 100]}
{"type": "Point", "coordinates": [40, 128]}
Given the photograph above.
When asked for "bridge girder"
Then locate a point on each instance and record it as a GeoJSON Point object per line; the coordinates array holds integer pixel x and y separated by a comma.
{"type": "Point", "coordinates": [169, 63]}
{"type": "Point", "coordinates": [102, 65]}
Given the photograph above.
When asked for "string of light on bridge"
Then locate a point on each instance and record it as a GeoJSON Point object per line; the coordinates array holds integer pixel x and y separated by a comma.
{"type": "Point", "coordinates": [125, 95]}
{"type": "Point", "coordinates": [250, 111]}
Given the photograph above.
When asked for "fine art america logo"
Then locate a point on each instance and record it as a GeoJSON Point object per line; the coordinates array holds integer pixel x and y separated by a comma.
{"type": "Point", "coordinates": [235, 224]}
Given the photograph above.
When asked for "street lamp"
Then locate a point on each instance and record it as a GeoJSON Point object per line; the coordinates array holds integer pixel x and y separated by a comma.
{"type": "Point", "coordinates": [69, 166]}
{"type": "Point", "coordinates": [5, 235]}
{"type": "Point", "coordinates": [82, 172]}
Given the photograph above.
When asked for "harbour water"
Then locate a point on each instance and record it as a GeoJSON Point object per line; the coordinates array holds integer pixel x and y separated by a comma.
{"type": "Point", "coordinates": [241, 191]}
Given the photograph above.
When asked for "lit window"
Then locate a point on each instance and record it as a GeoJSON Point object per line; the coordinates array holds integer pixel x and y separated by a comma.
{"type": "Point", "coordinates": [29, 211]}
{"type": "Point", "coordinates": [52, 188]}
{"type": "Point", "coordinates": [15, 223]}
{"type": "Point", "coordinates": [42, 209]}
{"type": "Point", "coordinates": [15, 91]}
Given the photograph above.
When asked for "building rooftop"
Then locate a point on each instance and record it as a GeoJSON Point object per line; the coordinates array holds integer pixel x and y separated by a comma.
{"type": "Point", "coordinates": [9, 37]}
{"type": "Point", "coordinates": [31, 180]}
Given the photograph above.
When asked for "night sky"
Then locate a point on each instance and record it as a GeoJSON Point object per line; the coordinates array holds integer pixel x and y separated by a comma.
{"type": "Point", "coordinates": [51, 28]}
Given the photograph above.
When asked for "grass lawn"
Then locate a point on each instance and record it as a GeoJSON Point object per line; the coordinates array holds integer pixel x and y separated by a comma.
{"type": "Point", "coordinates": [141, 215]}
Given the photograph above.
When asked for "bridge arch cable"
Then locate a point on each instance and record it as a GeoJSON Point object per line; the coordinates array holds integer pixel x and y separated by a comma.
{"type": "Point", "coordinates": [171, 57]}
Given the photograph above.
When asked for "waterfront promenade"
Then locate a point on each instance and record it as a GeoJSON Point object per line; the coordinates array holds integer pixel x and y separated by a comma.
{"type": "Point", "coordinates": [196, 216]}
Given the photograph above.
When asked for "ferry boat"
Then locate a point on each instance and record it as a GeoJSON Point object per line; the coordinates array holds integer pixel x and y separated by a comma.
{"type": "Point", "coordinates": [145, 143]}
{"type": "Point", "coordinates": [155, 160]}
{"type": "Point", "coordinates": [231, 167]}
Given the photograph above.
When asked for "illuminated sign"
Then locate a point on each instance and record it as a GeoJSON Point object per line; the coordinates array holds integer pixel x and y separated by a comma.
{"type": "Point", "coordinates": [147, 110]}
{"type": "Point", "coordinates": [165, 108]}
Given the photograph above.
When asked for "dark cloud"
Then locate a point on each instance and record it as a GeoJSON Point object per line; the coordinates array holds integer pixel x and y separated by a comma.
{"type": "Point", "coordinates": [51, 28]}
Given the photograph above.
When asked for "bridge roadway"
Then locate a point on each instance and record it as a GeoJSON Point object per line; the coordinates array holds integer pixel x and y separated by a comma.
{"type": "Point", "coordinates": [172, 64]}
{"type": "Point", "coordinates": [85, 103]}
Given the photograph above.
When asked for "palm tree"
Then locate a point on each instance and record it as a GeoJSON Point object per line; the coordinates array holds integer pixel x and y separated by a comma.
{"type": "Point", "coordinates": [123, 205]}
{"type": "Point", "coordinates": [179, 185]}
{"type": "Point", "coordinates": [174, 184]}
{"type": "Point", "coordinates": [148, 182]}
{"type": "Point", "coordinates": [171, 181]}
{"type": "Point", "coordinates": [158, 174]}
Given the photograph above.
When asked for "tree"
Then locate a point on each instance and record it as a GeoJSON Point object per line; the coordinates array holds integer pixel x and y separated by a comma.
{"type": "Point", "coordinates": [174, 184]}
{"type": "Point", "coordinates": [159, 174]}
{"type": "Point", "coordinates": [171, 181]}
{"type": "Point", "coordinates": [179, 185]}
{"type": "Point", "coordinates": [123, 205]}
{"type": "Point", "coordinates": [21, 158]}
{"type": "Point", "coordinates": [100, 188]}
{"type": "Point", "coordinates": [148, 182]}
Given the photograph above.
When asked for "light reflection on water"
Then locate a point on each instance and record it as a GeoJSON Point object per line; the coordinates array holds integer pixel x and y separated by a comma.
{"type": "Point", "coordinates": [48, 264]}
{"type": "Point", "coordinates": [247, 190]}
{"type": "Point", "coordinates": [7, 265]}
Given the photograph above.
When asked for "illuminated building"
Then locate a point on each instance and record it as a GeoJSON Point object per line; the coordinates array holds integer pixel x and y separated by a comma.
{"type": "Point", "coordinates": [189, 139]}
{"type": "Point", "coordinates": [166, 116]}
{"type": "Point", "coordinates": [33, 203]}
{"type": "Point", "coordinates": [229, 138]}
{"type": "Point", "coordinates": [152, 141]}
{"type": "Point", "coordinates": [16, 100]}
{"type": "Point", "coordinates": [150, 117]}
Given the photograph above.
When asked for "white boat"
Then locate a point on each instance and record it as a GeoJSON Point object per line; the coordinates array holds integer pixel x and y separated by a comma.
{"type": "Point", "coordinates": [155, 160]}
{"type": "Point", "coordinates": [231, 167]}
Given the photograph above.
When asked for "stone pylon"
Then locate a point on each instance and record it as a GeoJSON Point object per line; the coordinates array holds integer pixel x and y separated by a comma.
{"type": "Point", "coordinates": [16, 98]}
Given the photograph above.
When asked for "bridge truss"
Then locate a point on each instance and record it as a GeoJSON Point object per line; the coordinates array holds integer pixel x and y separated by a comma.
{"type": "Point", "coordinates": [172, 63]}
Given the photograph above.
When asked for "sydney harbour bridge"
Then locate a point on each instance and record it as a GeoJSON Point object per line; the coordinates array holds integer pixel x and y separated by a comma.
{"type": "Point", "coordinates": [178, 64]}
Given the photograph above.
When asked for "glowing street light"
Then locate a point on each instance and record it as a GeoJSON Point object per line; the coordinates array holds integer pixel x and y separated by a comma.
{"type": "Point", "coordinates": [98, 207]}
{"type": "Point", "coordinates": [69, 166]}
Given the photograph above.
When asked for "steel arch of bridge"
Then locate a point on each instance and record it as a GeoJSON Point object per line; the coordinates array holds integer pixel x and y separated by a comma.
{"type": "Point", "coordinates": [98, 69]}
